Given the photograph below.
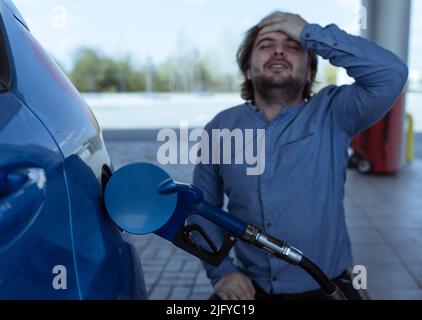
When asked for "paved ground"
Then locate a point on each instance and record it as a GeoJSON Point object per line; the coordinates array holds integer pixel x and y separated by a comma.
{"type": "Point", "coordinates": [383, 214]}
{"type": "Point", "coordinates": [418, 145]}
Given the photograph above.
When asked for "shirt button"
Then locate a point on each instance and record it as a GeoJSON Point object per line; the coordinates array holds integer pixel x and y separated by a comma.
{"type": "Point", "coordinates": [269, 225]}
{"type": "Point", "coordinates": [335, 44]}
{"type": "Point", "coordinates": [307, 35]}
{"type": "Point", "coordinates": [274, 279]}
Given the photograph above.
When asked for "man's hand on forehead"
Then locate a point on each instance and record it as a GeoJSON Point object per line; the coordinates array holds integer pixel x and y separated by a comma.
{"type": "Point", "coordinates": [287, 23]}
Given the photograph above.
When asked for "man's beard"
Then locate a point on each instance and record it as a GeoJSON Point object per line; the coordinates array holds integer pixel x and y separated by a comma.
{"type": "Point", "coordinates": [275, 91]}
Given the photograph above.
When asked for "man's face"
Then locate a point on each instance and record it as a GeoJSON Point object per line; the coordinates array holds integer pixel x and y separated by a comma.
{"type": "Point", "coordinates": [278, 60]}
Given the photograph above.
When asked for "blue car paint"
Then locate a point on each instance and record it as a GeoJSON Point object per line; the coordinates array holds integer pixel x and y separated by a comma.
{"type": "Point", "coordinates": [30, 248]}
{"type": "Point", "coordinates": [45, 124]}
{"type": "Point", "coordinates": [11, 6]}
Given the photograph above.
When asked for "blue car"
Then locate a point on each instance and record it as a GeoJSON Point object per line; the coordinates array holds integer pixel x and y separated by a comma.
{"type": "Point", "coordinates": [56, 239]}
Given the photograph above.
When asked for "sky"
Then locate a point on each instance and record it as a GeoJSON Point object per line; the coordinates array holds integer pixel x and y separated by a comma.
{"type": "Point", "coordinates": [161, 28]}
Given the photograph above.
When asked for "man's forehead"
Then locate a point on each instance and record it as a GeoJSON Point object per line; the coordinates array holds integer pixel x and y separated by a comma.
{"type": "Point", "coordinates": [274, 35]}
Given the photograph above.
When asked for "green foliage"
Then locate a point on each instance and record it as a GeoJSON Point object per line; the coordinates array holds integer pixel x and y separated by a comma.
{"type": "Point", "coordinates": [95, 72]}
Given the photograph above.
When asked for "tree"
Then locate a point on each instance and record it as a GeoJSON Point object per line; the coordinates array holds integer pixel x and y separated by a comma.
{"type": "Point", "coordinates": [88, 70]}
{"type": "Point", "coordinates": [187, 71]}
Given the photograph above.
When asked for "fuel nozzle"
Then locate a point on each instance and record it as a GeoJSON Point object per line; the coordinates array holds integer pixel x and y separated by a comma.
{"type": "Point", "coordinates": [273, 246]}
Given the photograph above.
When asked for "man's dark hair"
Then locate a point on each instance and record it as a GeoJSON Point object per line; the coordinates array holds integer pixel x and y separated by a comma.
{"type": "Point", "coordinates": [244, 55]}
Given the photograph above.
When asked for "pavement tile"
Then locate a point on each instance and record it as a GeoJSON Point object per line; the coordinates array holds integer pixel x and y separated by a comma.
{"type": "Point", "coordinates": [396, 294]}
{"type": "Point", "coordinates": [160, 292]}
{"type": "Point", "coordinates": [390, 276]}
{"type": "Point", "coordinates": [180, 293]}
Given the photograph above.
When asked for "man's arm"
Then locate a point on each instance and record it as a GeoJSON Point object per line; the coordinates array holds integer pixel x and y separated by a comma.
{"type": "Point", "coordinates": [380, 75]}
{"type": "Point", "coordinates": [228, 282]}
{"type": "Point", "coordinates": [206, 178]}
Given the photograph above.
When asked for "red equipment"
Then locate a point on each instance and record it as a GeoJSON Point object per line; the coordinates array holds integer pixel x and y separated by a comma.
{"type": "Point", "coordinates": [379, 149]}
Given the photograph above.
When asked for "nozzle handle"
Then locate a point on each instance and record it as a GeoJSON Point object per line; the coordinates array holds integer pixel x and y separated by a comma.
{"type": "Point", "coordinates": [192, 197]}
{"type": "Point", "coordinates": [184, 240]}
{"type": "Point", "coordinates": [222, 218]}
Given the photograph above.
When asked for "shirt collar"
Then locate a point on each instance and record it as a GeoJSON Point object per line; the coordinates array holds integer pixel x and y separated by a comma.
{"type": "Point", "coordinates": [254, 107]}
{"type": "Point", "coordinates": [287, 109]}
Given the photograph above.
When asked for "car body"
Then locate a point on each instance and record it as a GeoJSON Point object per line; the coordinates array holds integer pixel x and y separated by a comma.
{"type": "Point", "coordinates": [56, 240]}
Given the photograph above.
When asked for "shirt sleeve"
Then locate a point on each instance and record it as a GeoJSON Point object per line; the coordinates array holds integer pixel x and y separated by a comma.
{"type": "Point", "coordinates": [379, 75]}
{"type": "Point", "coordinates": [206, 177]}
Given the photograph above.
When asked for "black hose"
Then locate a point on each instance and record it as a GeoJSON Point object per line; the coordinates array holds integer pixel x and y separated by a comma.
{"type": "Point", "coordinates": [284, 251]}
{"type": "Point", "coordinates": [313, 270]}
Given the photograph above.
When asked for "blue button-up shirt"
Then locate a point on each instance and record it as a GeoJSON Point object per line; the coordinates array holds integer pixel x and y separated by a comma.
{"type": "Point", "coordinates": [299, 196]}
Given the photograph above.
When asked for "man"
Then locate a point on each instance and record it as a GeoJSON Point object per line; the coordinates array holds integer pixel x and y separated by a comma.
{"type": "Point", "coordinates": [299, 196]}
